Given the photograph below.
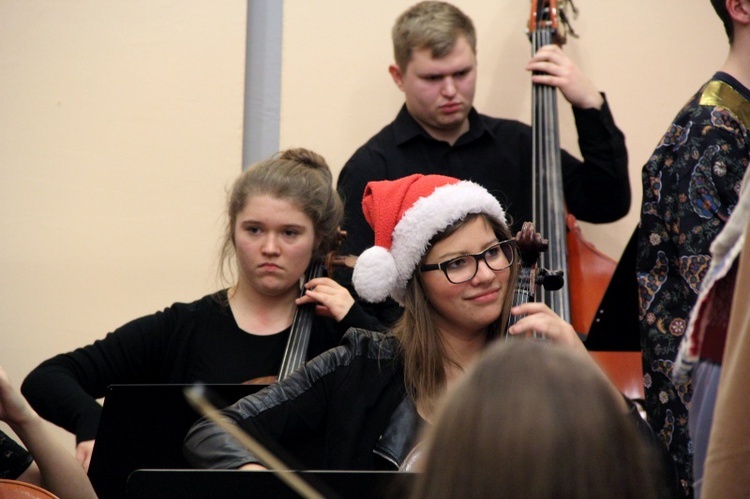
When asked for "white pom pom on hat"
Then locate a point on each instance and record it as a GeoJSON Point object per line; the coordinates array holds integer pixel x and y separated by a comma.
{"type": "Point", "coordinates": [405, 215]}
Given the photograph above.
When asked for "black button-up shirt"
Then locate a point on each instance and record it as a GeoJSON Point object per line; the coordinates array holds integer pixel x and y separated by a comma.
{"type": "Point", "coordinates": [495, 153]}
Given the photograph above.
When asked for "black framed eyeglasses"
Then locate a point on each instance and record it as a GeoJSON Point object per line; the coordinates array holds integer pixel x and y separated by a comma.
{"type": "Point", "coordinates": [463, 268]}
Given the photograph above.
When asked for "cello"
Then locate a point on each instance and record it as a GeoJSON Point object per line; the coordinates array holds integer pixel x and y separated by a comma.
{"type": "Point", "coordinates": [588, 270]}
{"type": "Point", "coordinates": [530, 245]}
{"type": "Point", "coordinates": [299, 337]}
{"type": "Point", "coordinates": [295, 351]}
{"type": "Point", "coordinates": [16, 489]}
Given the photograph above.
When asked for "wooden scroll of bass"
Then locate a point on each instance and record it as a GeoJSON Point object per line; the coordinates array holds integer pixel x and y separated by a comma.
{"type": "Point", "coordinates": [587, 271]}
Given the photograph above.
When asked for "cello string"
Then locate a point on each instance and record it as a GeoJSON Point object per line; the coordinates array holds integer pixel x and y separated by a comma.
{"type": "Point", "coordinates": [299, 336]}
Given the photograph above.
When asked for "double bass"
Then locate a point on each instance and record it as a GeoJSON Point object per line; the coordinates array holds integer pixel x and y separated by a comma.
{"type": "Point", "coordinates": [588, 270]}
{"type": "Point", "coordinates": [585, 271]}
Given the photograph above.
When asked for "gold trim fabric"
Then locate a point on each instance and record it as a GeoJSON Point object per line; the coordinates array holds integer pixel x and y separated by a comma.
{"type": "Point", "coordinates": [720, 94]}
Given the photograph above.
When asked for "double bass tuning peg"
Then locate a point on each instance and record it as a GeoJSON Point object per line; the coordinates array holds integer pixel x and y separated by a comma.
{"type": "Point", "coordinates": [552, 280]}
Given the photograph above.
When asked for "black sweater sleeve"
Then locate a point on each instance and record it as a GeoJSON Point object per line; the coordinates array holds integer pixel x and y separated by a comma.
{"type": "Point", "coordinates": [64, 388]}
{"type": "Point", "coordinates": [597, 190]}
{"type": "Point", "coordinates": [158, 348]}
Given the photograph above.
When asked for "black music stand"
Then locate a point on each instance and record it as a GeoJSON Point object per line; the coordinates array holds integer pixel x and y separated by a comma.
{"type": "Point", "coordinates": [200, 484]}
{"type": "Point", "coordinates": [143, 426]}
{"type": "Point", "coordinates": [615, 326]}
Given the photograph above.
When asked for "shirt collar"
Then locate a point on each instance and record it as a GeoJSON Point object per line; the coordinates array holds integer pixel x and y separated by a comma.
{"type": "Point", "coordinates": [406, 128]}
{"type": "Point", "coordinates": [734, 83]}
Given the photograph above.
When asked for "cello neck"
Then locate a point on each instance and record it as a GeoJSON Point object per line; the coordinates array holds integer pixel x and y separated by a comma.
{"type": "Point", "coordinates": [295, 352]}
{"type": "Point", "coordinates": [299, 337]}
{"type": "Point", "coordinates": [530, 245]}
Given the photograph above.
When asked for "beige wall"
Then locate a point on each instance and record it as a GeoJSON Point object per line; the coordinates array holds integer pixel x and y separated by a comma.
{"type": "Point", "coordinates": [121, 125]}
{"type": "Point", "coordinates": [648, 56]}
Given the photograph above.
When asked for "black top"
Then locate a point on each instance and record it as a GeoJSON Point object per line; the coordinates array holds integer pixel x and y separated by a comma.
{"type": "Point", "coordinates": [184, 343]}
{"type": "Point", "coordinates": [495, 153]}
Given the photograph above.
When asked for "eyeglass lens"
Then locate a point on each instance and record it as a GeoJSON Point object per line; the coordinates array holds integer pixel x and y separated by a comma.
{"type": "Point", "coordinates": [464, 268]}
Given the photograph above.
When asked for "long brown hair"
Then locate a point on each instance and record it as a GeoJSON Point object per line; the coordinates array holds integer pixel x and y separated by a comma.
{"type": "Point", "coordinates": [423, 351]}
{"type": "Point", "coordinates": [536, 420]}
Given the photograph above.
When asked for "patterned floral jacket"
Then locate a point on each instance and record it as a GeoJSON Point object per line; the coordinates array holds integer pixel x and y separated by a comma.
{"type": "Point", "coordinates": [691, 185]}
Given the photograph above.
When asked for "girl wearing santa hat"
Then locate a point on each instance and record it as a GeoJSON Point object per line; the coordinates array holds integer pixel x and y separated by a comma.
{"type": "Point", "coordinates": [443, 250]}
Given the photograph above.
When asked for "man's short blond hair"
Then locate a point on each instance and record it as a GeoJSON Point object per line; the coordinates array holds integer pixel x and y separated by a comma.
{"type": "Point", "coordinates": [430, 25]}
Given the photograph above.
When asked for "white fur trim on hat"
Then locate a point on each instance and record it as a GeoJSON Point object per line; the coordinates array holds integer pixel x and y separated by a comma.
{"type": "Point", "coordinates": [379, 273]}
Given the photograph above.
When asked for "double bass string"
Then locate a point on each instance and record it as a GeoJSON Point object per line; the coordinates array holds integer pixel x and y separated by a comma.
{"type": "Point", "coordinates": [548, 201]}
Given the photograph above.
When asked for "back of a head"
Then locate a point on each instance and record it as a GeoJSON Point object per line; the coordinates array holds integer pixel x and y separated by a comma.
{"type": "Point", "coordinates": [432, 25]}
{"type": "Point", "coordinates": [535, 420]}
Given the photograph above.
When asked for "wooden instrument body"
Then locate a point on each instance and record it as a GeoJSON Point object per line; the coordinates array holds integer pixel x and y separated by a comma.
{"type": "Point", "coordinates": [16, 489]}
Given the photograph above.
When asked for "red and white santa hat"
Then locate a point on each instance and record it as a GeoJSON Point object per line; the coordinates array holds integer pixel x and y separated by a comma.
{"type": "Point", "coordinates": [405, 214]}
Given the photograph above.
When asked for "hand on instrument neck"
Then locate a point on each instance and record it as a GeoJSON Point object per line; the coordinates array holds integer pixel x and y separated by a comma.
{"type": "Point", "coordinates": [559, 71]}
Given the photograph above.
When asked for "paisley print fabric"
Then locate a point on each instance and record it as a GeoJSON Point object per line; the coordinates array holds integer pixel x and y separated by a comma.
{"type": "Point", "coordinates": [691, 185]}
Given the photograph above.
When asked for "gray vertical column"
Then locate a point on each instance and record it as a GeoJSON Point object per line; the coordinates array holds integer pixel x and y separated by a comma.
{"type": "Point", "coordinates": [262, 80]}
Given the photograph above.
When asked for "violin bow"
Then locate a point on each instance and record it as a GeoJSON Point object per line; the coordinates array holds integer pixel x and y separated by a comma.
{"type": "Point", "coordinates": [197, 398]}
